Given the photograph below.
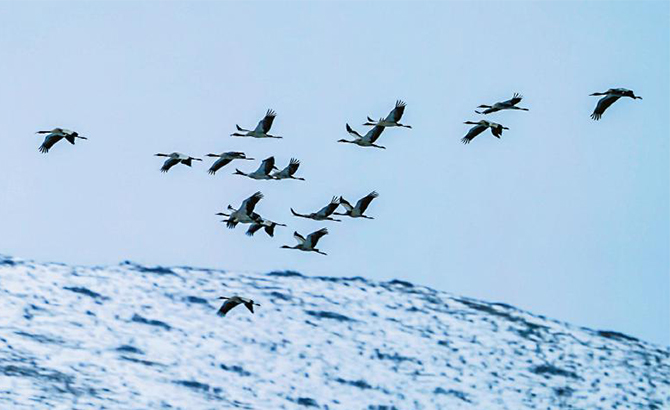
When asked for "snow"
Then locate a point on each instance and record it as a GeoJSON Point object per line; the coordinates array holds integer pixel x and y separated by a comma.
{"type": "Point", "coordinates": [135, 337]}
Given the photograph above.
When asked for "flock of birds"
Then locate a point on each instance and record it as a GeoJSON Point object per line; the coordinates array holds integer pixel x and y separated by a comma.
{"type": "Point", "coordinates": [267, 170]}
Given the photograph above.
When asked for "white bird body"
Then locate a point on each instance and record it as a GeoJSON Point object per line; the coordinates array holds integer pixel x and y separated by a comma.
{"type": "Point", "coordinates": [367, 140]}
{"type": "Point", "coordinates": [479, 127]}
{"type": "Point", "coordinates": [55, 135]}
{"type": "Point", "coordinates": [225, 159]}
{"type": "Point", "coordinates": [174, 159]}
{"type": "Point", "coordinates": [234, 301]}
{"type": "Point", "coordinates": [393, 119]}
{"type": "Point", "coordinates": [358, 211]}
{"type": "Point", "coordinates": [289, 171]}
{"type": "Point", "coordinates": [610, 97]}
{"type": "Point", "coordinates": [263, 171]}
{"type": "Point", "coordinates": [308, 244]}
{"type": "Point", "coordinates": [503, 105]}
{"type": "Point", "coordinates": [324, 213]}
{"type": "Point", "coordinates": [261, 130]}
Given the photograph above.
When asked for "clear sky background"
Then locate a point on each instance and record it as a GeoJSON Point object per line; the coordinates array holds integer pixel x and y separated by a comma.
{"type": "Point", "coordinates": [564, 216]}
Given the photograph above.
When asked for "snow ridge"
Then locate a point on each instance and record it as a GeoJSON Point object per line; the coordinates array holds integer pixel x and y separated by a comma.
{"type": "Point", "coordinates": [136, 337]}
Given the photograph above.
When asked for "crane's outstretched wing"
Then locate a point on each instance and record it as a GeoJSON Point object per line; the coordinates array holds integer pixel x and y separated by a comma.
{"type": "Point", "coordinates": [330, 208]}
{"type": "Point", "coordinates": [249, 305]}
{"type": "Point", "coordinates": [226, 307]}
{"type": "Point", "coordinates": [218, 164]}
{"type": "Point", "coordinates": [49, 142]}
{"type": "Point", "coordinates": [374, 133]}
{"type": "Point", "coordinates": [250, 203]}
{"type": "Point", "coordinates": [346, 204]}
{"type": "Point", "coordinates": [364, 202]}
{"type": "Point", "coordinates": [474, 131]}
{"type": "Point", "coordinates": [293, 166]}
{"type": "Point", "coordinates": [270, 230]}
{"type": "Point", "coordinates": [313, 238]}
{"type": "Point", "coordinates": [602, 105]}
{"type": "Point", "coordinates": [298, 237]}
{"type": "Point", "coordinates": [253, 229]}
{"type": "Point", "coordinates": [497, 130]}
{"type": "Point", "coordinates": [169, 163]}
{"type": "Point", "coordinates": [267, 165]}
{"type": "Point", "coordinates": [353, 133]}
{"type": "Point", "coordinates": [265, 124]}
{"type": "Point", "coordinates": [396, 114]}
{"type": "Point", "coordinates": [514, 100]}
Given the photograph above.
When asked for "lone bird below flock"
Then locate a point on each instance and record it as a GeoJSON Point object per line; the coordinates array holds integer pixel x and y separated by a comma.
{"type": "Point", "coordinates": [504, 105]}
{"type": "Point", "coordinates": [610, 97]}
{"type": "Point", "coordinates": [174, 159]}
{"type": "Point", "coordinates": [245, 214]}
{"type": "Point", "coordinates": [309, 244]}
{"type": "Point", "coordinates": [289, 171]}
{"type": "Point", "coordinates": [368, 140]}
{"type": "Point", "coordinates": [391, 120]}
{"type": "Point", "coordinates": [263, 171]}
{"type": "Point", "coordinates": [479, 127]}
{"type": "Point", "coordinates": [324, 213]}
{"type": "Point", "coordinates": [225, 159]}
{"type": "Point", "coordinates": [358, 210]}
{"type": "Point", "coordinates": [230, 303]}
{"type": "Point", "coordinates": [261, 130]}
{"type": "Point", "coordinates": [56, 135]}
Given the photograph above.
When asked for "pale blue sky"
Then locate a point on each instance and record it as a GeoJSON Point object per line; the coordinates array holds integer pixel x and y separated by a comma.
{"type": "Point", "coordinates": [564, 216]}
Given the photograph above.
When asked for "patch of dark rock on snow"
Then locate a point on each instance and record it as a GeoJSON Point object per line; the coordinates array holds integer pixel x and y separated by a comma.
{"type": "Point", "coordinates": [531, 329]}
{"type": "Point", "coordinates": [394, 357]}
{"type": "Point", "coordinates": [285, 273]}
{"type": "Point", "coordinates": [307, 402]}
{"type": "Point", "coordinates": [488, 309]}
{"type": "Point", "coordinates": [280, 296]}
{"type": "Point", "coordinates": [129, 349]}
{"type": "Point", "coordinates": [158, 270]}
{"type": "Point", "coordinates": [381, 407]}
{"type": "Point", "coordinates": [340, 279]}
{"type": "Point", "coordinates": [7, 261]}
{"type": "Point", "coordinates": [324, 314]}
{"type": "Point", "coordinates": [236, 369]}
{"type": "Point", "coordinates": [616, 335]}
{"type": "Point", "coordinates": [141, 361]}
{"type": "Point", "coordinates": [361, 384]}
{"type": "Point", "coordinates": [139, 319]}
{"type": "Point", "coordinates": [400, 283]}
{"type": "Point", "coordinates": [192, 384]}
{"type": "Point", "coordinates": [39, 373]}
{"type": "Point", "coordinates": [195, 299]}
{"type": "Point", "coordinates": [553, 371]}
{"type": "Point", "coordinates": [85, 291]}
{"type": "Point", "coordinates": [452, 392]}
{"type": "Point", "coordinates": [41, 338]}
{"type": "Point", "coordinates": [564, 391]}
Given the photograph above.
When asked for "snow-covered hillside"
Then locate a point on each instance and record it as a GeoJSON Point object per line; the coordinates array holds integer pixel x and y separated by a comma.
{"type": "Point", "coordinates": [133, 337]}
